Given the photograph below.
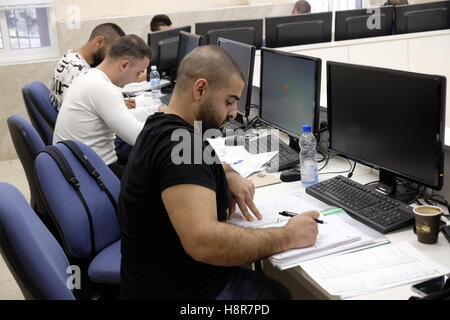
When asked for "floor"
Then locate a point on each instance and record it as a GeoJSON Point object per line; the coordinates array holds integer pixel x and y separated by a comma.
{"type": "Point", "coordinates": [11, 171]}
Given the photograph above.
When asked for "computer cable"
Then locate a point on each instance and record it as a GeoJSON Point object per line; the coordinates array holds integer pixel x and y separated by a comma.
{"type": "Point", "coordinates": [351, 172]}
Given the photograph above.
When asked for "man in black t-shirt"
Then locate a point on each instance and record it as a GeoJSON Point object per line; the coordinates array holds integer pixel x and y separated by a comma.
{"type": "Point", "coordinates": [176, 197]}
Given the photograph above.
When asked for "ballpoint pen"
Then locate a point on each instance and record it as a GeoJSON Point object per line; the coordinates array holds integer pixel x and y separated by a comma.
{"type": "Point", "coordinates": [293, 214]}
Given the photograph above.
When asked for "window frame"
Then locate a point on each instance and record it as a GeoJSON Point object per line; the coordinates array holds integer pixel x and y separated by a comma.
{"type": "Point", "coordinates": [10, 56]}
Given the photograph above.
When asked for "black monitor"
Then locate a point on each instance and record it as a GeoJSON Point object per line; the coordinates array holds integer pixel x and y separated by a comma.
{"type": "Point", "coordinates": [298, 29]}
{"type": "Point", "coordinates": [390, 120]}
{"type": "Point", "coordinates": [289, 91]}
{"type": "Point", "coordinates": [422, 17]}
{"type": "Point", "coordinates": [244, 55]}
{"type": "Point", "coordinates": [164, 45]}
{"type": "Point", "coordinates": [354, 24]}
{"type": "Point", "coordinates": [246, 31]}
{"type": "Point", "coordinates": [187, 43]}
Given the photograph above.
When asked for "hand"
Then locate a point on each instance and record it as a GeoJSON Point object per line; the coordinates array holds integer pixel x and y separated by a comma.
{"type": "Point", "coordinates": [142, 77]}
{"type": "Point", "coordinates": [130, 103]}
{"type": "Point", "coordinates": [242, 191]}
{"type": "Point", "coordinates": [303, 229]}
{"type": "Point", "coordinates": [163, 108]}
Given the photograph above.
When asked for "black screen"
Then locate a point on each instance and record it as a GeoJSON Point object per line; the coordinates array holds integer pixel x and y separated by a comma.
{"type": "Point", "coordinates": [244, 55]}
{"type": "Point", "coordinates": [298, 29]}
{"type": "Point", "coordinates": [392, 120]}
{"type": "Point", "coordinates": [354, 24]}
{"type": "Point", "coordinates": [290, 90]}
{"type": "Point", "coordinates": [423, 17]}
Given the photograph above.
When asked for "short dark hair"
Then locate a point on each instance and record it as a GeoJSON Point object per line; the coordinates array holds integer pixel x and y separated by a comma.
{"type": "Point", "coordinates": [302, 6]}
{"type": "Point", "coordinates": [158, 21]}
{"type": "Point", "coordinates": [210, 62]}
{"type": "Point", "coordinates": [110, 31]}
{"type": "Point", "coordinates": [130, 46]}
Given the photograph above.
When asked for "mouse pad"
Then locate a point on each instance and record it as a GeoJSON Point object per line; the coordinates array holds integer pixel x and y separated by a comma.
{"type": "Point", "coordinates": [261, 179]}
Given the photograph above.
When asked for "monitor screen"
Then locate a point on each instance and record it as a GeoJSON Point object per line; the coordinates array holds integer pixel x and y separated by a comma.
{"type": "Point", "coordinates": [359, 23]}
{"type": "Point", "coordinates": [422, 17]}
{"type": "Point", "coordinates": [187, 43]}
{"type": "Point", "coordinates": [244, 55]}
{"type": "Point", "coordinates": [246, 31]}
{"type": "Point", "coordinates": [298, 29]}
{"type": "Point", "coordinates": [289, 91]}
{"type": "Point", "coordinates": [390, 120]}
{"type": "Point", "coordinates": [154, 39]}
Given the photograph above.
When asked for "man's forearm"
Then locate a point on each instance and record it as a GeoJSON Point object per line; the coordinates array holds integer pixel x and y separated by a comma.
{"type": "Point", "coordinates": [246, 246]}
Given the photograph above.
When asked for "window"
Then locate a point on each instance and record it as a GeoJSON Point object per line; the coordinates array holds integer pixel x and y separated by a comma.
{"type": "Point", "coordinates": [27, 30]}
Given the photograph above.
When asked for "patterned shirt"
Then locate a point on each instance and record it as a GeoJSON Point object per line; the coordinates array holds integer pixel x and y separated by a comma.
{"type": "Point", "coordinates": [68, 68]}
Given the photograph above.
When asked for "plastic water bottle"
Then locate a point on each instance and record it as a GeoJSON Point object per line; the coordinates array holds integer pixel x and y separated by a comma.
{"type": "Point", "coordinates": [155, 82]}
{"type": "Point", "coordinates": [308, 163]}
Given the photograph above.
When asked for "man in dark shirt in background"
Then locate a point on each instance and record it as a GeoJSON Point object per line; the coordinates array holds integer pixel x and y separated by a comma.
{"type": "Point", "coordinates": [174, 201]}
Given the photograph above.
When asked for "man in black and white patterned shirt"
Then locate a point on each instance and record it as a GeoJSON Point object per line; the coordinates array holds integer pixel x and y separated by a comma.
{"type": "Point", "coordinates": [74, 63]}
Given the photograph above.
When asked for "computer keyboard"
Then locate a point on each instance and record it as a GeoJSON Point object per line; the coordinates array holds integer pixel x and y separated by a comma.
{"type": "Point", "coordinates": [366, 205]}
{"type": "Point", "coordinates": [287, 157]}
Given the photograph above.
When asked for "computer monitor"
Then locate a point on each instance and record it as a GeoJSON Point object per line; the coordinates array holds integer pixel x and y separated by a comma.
{"type": "Point", "coordinates": [289, 91]}
{"type": "Point", "coordinates": [298, 29]}
{"type": "Point", "coordinates": [164, 45]}
{"type": "Point", "coordinates": [187, 43]}
{"type": "Point", "coordinates": [390, 120]}
{"type": "Point", "coordinates": [422, 17]}
{"type": "Point", "coordinates": [360, 23]}
{"type": "Point", "coordinates": [246, 31]}
{"type": "Point", "coordinates": [244, 55]}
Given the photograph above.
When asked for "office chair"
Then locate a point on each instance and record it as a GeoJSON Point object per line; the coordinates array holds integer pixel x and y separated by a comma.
{"type": "Point", "coordinates": [84, 214]}
{"type": "Point", "coordinates": [40, 109]}
{"type": "Point", "coordinates": [28, 144]}
{"type": "Point", "coordinates": [32, 254]}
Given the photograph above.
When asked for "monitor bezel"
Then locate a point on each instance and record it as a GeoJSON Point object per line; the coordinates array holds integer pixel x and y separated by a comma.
{"type": "Point", "coordinates": [188, 35]}
{"type": "Point", "coordinates": [250, 75]}
{"type": "Point", "coordinates": [441, 128]}
{"type": "Point", "coordinates": [402, 10]}
{"type": "Point", "coordinates": [317, 80]}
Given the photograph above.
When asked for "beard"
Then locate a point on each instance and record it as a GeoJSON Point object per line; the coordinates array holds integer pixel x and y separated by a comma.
{"type": "Point", "coordinates": [98, 57]}
{"type": "Point", "coordinates": [210, 120]}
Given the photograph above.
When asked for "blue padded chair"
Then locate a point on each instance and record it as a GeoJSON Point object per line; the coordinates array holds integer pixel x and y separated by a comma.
{"type": "Point", "coordinates": [28, 144]}
{"type": "Point", "coordinates": [32, 254]}
{"type": "Point", "coordinates": [70, 217]}
{"type": "Point", "coordinates": [40, 109]}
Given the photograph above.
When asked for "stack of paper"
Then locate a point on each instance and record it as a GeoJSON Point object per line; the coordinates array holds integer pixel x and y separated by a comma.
{"type": "Point", "coordinates": [339, 233]}
{"type": "Point", "coordinates": [366, 271]}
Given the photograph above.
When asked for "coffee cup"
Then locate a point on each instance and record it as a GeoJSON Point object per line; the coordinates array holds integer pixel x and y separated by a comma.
{"type": "Point", "coordinates": [427, 223]}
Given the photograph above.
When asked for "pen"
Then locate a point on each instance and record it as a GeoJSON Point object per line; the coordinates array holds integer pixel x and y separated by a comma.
{"type": "Point", "coordinates": [293, 214]}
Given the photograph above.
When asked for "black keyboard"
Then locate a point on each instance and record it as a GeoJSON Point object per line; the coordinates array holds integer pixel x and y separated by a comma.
{"type": "Point", "coordinates": [366, 205]}
{"type": "Point", "coordinates": [287, 157]}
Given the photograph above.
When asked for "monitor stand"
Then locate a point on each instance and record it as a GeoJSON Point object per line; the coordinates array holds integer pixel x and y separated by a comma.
{"type": "Point", "coordinates": [389, 186]}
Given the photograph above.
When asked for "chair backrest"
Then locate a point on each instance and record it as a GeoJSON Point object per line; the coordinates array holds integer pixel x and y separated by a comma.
{"type": "Point", "coordinates": [32, 254]}
{"type": "Point", "coordinates": [83, 232]}
{"type": "Point", "coordinates": [40, 109]}
{"type": "Point", "coordinates": [28, 144]}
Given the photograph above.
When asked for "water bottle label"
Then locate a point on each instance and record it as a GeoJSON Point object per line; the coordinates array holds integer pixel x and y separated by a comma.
{"type": "Point", "coordinates": [154, 83]}
{"type": "Point", "coordinates": [309, 172]}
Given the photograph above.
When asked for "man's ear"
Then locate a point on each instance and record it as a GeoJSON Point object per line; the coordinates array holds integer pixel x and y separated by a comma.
{"type": "Point", "coordinates": [124, 63]}
{"type": "Point", "coordinates": [200, 89]}
{"type": "Point", "coordinates": [99, 41]}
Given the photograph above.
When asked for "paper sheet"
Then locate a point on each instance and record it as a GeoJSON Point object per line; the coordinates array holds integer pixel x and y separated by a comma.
{"type": "Point", "coordinates": [373, 269]}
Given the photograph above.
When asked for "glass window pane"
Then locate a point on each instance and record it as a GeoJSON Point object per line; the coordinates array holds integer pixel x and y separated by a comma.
{"type": "Point", "coordinates": [28, 28]}
{"type": "Point", "coordinates": [1, 39]}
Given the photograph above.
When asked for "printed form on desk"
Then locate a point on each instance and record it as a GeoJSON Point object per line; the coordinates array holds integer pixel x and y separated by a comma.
{"type": "Point", "coordinates": [339, 232]}
{"type": "Point", "coordinates": [371, 270]}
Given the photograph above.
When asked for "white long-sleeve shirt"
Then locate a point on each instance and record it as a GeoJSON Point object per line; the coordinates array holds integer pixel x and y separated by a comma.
{"type": "Point", "coordinates": [94, 112]}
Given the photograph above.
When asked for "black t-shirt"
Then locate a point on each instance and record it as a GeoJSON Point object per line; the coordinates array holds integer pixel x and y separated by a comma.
{"type": "Point", "coordinates": [154, 263]}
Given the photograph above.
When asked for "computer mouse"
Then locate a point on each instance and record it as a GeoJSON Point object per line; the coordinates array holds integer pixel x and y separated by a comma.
{"type": "Point", "coordinates": [290, 175]}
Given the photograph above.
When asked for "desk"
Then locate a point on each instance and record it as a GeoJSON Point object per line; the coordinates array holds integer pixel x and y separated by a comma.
{"type": "Point", "coordinates": [296, 277]}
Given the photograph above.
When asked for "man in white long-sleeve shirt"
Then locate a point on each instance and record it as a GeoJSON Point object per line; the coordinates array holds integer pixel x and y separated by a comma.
{"type": "Point", "coordinates": [94, 111]}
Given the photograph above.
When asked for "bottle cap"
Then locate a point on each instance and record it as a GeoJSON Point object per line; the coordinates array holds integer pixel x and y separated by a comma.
{"type": "Point", "coordinates": [306, 128]}
{"type": "Point", "coordinates": [153, 68]}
